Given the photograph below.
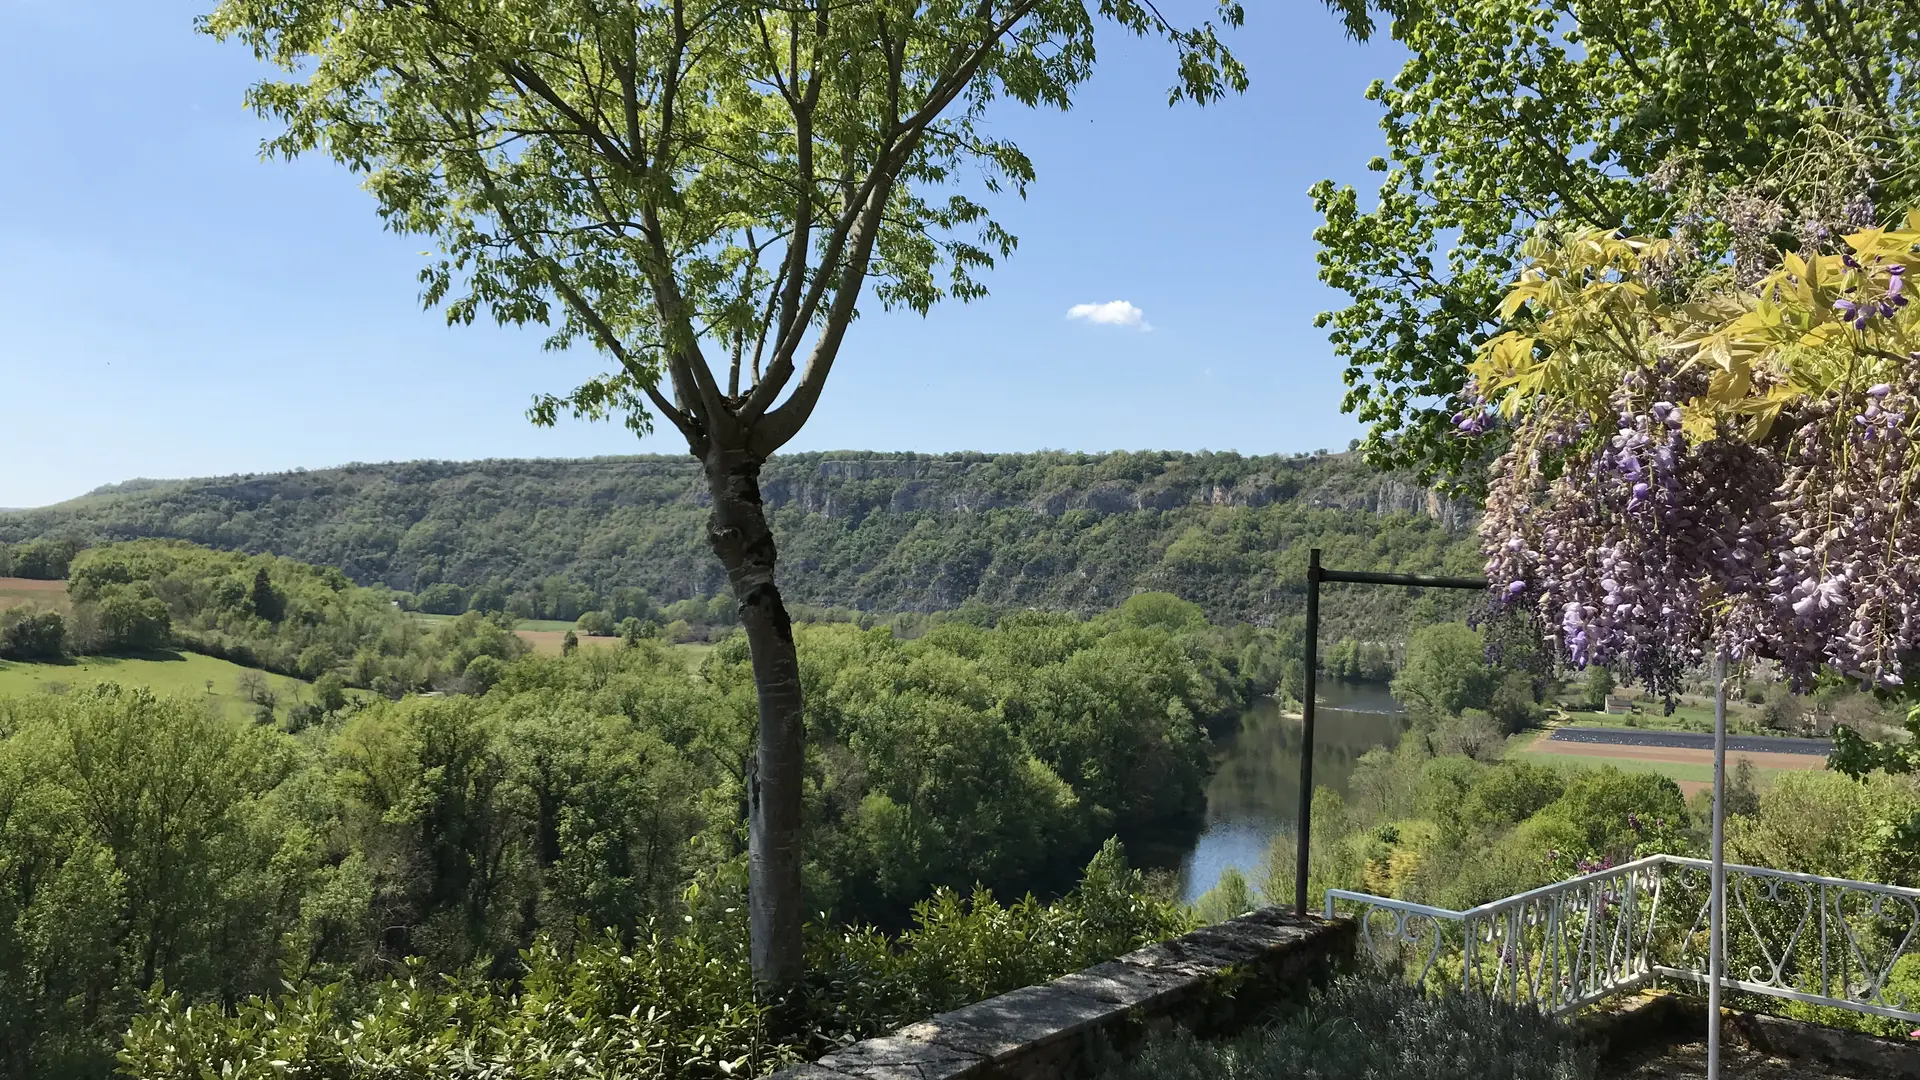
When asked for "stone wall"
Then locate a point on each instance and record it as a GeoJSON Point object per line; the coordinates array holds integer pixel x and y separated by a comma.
{"type": "Point", "coordinates": [1211, 980]}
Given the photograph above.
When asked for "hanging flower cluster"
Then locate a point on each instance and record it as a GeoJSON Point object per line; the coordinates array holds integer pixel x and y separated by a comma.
{"type": "Point", "coordinates": [1736, 471]}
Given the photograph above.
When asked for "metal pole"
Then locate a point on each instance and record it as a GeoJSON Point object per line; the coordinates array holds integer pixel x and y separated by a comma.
{"type": "Point", "coordinates": [1305, 826]}
{"type": "Point", "coordinates": [1716, 933]}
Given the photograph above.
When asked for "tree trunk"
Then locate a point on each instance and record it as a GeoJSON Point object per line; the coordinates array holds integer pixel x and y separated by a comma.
{"type": "Point", "coordinates": [738, 532]}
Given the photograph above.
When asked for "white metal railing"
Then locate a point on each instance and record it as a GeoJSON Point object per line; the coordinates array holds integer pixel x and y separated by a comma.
{"type": "Point", "coordinates": [1827, 941]}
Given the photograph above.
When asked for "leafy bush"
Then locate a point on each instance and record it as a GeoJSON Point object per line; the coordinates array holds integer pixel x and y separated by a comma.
{"type": "Point", "coordinates": [1372, 1026]}
{"type": "Point", "coordinates": [669, 1006]}
{"type": "Point", "coordinates": [1232, 896]}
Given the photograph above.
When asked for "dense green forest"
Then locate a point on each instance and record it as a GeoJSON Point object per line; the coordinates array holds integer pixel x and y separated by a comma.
{"type": "Point", "coordinates": [875, 532]}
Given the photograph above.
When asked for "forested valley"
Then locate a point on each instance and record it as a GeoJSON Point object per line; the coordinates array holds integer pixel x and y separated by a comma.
{"type": "Point", "coordinates": [441, 800]}
{"type": "Point", "coordinates": [443, 846]}
{"type": "Point", "coordinates": [997, 699]}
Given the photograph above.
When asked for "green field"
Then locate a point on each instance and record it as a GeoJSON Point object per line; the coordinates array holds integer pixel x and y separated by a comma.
{"type": "Point", "coordinates": [694, 653]}
{"type": "Point", "coordinates": [1677, 770]}
{"type": "Point", "coordinates": [1680, 771]}
{"type": "Point", "coordinates": [181, 673]}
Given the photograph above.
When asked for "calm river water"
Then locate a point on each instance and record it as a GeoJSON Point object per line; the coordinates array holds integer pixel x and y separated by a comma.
{"type": "Point", "coordinates": [1255, 792]}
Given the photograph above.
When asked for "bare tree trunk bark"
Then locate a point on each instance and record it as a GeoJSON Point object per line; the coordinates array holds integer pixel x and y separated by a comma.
{"type": "Point", "coordinates": [738, 532]}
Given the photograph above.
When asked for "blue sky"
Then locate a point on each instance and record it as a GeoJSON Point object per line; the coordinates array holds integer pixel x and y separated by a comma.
{"type": "Point", "coordinates": [170, 305]}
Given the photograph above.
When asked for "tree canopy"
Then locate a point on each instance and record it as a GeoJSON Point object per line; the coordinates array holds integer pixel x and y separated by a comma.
{"type": "Point", "coordinates": [153, 838]}
{"type": "Point", "coordinates": [704, 176]}
{"type": "Point", "coordinates": [1585, 114]}
{"type": "Point", "coordinates": [660, 180]}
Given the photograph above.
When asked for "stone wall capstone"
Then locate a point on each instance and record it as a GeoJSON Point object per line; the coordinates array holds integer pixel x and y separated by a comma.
{"type": "Point", "coordinates": [1212, 980]}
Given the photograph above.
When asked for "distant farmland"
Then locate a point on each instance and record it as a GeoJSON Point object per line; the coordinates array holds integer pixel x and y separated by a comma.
{"type": "Point", "coordinates": [46, 594]}
{"type": "Point", "coordinates": [218, 682]}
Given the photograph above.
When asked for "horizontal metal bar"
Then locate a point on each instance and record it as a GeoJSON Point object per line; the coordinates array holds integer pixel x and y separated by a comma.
{"type": "Point", "coordinates": [1788, 875]}
{"type": "Point", "coordinates": [1700, 978]}
{"type": "Point", "coordinates": [1495, 906]}
{"type": "Point", "coordinates": [1492, 907]}
{"type": "Point", "coordinates": [1366, 577]}
{"type": "Point", "coordinates": [1407, 906]}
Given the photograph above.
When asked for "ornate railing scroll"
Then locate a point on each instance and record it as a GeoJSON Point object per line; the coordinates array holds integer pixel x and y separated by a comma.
{"type": "Point", "coordinates": [1826, 941]}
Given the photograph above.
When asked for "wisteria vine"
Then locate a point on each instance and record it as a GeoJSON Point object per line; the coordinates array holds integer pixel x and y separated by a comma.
{"type": "Point", "coordinates": [1736, 471]}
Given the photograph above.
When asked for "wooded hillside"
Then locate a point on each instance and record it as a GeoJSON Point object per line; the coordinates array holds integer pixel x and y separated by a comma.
{"type": "Point", "coordinates": [879, 532]}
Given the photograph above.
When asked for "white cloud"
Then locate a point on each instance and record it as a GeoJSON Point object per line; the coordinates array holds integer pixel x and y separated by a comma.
{"type": "Point", "coordinates": [1111, 313]}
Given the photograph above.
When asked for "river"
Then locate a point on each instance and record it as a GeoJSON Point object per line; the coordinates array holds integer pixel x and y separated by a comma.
{"type": "Point", "coordinates": [1255, 791]}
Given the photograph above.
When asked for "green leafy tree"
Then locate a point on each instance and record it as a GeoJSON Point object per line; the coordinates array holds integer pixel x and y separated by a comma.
{"type": "Point", "coordinates": [133, 622]}
{"type": "Point", "coordinates": [1512, 703]}
{"type": "Point", "coordinates": [1857, 757]}
{"type": "Point", "coordinates": [569, 643]}
{"type": "Point", "coordinates": [1599, 114]}
{"type": "Point", "coordinates": [30, 634]}
{"type": "Point", "coordinates": [330, 692]}
{"type": "Point", "coordinates": [1446, 671]}
{"type": "Point", "coordinates": [1597, 685]}
{"type": "Point", "coordinates": [726, 177]}
{"type": "Point", "coordinates": [441, 598]}
{"type": "Point", "coordinates": [45, 559]}
{"type": "Point", "coordinates": [136, 850]}
{"type": "Point", "coordinates": [266, 600]}
{"type": "Point", "coordinates": [483, 671]}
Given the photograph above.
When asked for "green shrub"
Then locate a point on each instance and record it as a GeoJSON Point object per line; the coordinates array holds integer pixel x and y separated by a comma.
{"type": "Point", "coordinates": [1231, 897]}
{"type": "Point", "coordinates": [1375, 1027]}
{"type": "Point", "coordinates": [679, 1005]}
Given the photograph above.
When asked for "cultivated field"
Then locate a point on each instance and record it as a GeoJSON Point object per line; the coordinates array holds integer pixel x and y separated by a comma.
{"type": "Point", "coordinates": [173, 673]}
{"type": "Point", "coordinates": [549, 641]}
{"type": "Point", "coordinates": [546, 636]}
{"type": "Point", "coordinates": [46, 594]}
{"type": "Point", "coordinates": [1692, 769]}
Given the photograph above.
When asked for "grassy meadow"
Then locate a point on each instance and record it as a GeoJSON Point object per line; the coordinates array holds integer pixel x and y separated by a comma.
{"type": "Point", "coordinates": [164, 673]}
